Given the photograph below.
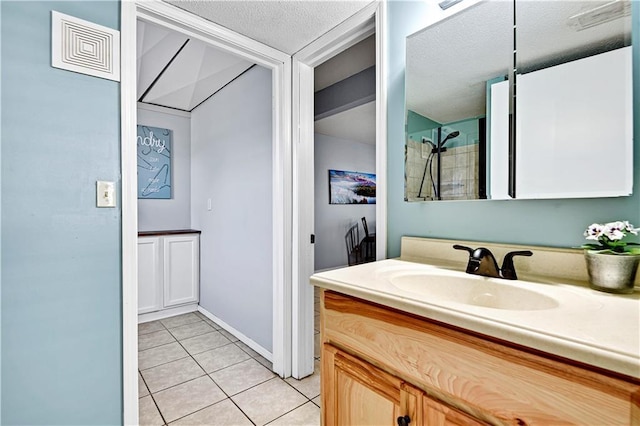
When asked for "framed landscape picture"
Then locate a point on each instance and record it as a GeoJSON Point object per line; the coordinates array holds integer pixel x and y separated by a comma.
{"type": "Point", "coordinates": [351, 187]}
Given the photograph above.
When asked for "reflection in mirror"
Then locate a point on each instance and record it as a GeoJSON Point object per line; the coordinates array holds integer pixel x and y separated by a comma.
{"type": "Point", "coordinates": [572, 102]}
{"type": "Point", "coordinates": [450, 65]}
{"type": "Point", "coordinates": [574, 99]}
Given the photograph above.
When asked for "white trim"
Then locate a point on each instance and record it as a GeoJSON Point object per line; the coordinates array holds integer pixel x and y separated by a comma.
{"type": "Point", "coordinates": [177, 19]}
{"type": "Point", "coordinates": [128, 113]}
{"type": "Point", "coordinates": [241, 337]}
{"type": "Point", "coordinates": [381, 131]}
{"type": "Point", "coordinates": [166, 313]}
{"type": "Point", "coordinates": [302, 363]}
{"type": "Point", "coordinates": [164, 110]}
{"type": "Point", "coordinates": [282, 219]}
{"type": "Point", "coordinates": [356, 28]}
{"type": "Point", "coordinates": [280, 64]}
{"type": "Point", "coordinates": [340, 38]}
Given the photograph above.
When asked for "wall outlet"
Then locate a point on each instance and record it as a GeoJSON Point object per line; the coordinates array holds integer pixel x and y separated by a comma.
{"type": "Point", "coordinates": [105, 194]}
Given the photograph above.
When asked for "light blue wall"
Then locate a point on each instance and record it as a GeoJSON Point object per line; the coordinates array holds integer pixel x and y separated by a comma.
{"type": "Point", "coordinates": [557, 223]}
{"type": "Point", "coordinates": [0, 225]}
{"type": "Point", "coordinates": [61, 309]}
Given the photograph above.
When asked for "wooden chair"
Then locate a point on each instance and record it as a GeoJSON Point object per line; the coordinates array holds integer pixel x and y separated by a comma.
{"type": "Point", "coordinates": [354, 251]}
{"type": "Point", "coordinates": [368, 243]}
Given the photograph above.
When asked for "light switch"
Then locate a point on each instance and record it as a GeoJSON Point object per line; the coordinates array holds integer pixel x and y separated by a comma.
{"type": "Point", "coordinates": [209, 204]}
{"type": "Point", "coordinates": [105, 194]}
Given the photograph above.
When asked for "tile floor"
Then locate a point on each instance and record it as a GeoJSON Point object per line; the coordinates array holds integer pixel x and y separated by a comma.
{"type": "Point", "coordinates": [194, 373]}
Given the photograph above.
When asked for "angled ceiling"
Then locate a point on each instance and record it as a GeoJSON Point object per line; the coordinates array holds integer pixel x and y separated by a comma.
{"type": "Point", "coordinates": [181, 73]}
{"type": "Point", "coordinates": [287, 26]}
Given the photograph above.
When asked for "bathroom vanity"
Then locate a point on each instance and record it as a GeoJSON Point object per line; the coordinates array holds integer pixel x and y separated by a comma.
{"type": "Point", "coordinates": [420, 342]}
{"type": "Point", "coordinates": [168, 272]}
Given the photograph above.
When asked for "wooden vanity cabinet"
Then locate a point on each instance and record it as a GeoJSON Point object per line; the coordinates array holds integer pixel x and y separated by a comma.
{"type": "Point", "coordinates": [361, 394]}
{"type": "Point", "coordinates": [379, 364]}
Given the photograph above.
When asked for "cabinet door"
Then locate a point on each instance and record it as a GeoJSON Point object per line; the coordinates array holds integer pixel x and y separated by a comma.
{"type": "Point", "coordinates": [437, 414]}
{"type": "Point", "coordinates": [149, 275]}
{"type": "Point", "coordinates": [181, 269]}
{"type": "Point", "coordinates": [357, 393]}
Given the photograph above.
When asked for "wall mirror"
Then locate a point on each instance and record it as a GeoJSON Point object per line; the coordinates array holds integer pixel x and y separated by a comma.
{"type": "Point", "coordinates": [475, 129]}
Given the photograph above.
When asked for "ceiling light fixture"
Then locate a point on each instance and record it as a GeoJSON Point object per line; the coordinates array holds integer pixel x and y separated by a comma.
{"type": "Point", "coordinates": [601, 14]}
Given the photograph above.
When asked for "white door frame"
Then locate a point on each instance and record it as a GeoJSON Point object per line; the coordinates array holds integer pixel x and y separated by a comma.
{"type": "Point", "coordinates": [355, 29]}
{"type": "Point", "coordinates": [280, 64]}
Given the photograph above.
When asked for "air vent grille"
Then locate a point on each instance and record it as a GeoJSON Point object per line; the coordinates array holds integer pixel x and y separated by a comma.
{"type": "Point", "coordinates": [84, 47]}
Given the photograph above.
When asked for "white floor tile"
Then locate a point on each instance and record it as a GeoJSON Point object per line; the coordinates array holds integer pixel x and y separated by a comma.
{"type": "Point", "coordinates": [173, 373]}
{"type": "Point", "coordinates": [268, 401]}
{"type": "Point", "coordinates": [307, 415]}
{"type": "Point", "coordinates": [242, 376]}
{"type": "Point", "coordinates": [184, 399]}
{"type": "Point", "coordinates": [204, 342]}
{"type": "Point", "coordinates": [160, 355]}
{"type": "Point", "coordinates": [151, 340]}
{"type": "Point", "coordinates": [190, 330]}
{"type": "Point", "coordinates": [224, 413]}
{"type": "Point", "coordinates": [247, 349]}
{"type": "Point", "coordinates": [179, 320]}
{"type": "Point", "coordinates": [149, 327]}
{"type": "Point", "coordinates": [148, 414]}
{"type": "Point", "coordinates": [142, 388]}
{"type": "Point", "coordinates": [309, 386]}
{"type": "Point", "coordinates": [222, 357]}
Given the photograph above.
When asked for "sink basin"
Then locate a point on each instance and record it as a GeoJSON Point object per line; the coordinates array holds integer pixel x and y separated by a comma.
{"type": "Point", "coordinates": [472, 290]}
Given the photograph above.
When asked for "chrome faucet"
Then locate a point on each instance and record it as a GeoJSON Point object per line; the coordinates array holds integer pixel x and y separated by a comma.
{"type": "Point", "coordinates": [483, 262]}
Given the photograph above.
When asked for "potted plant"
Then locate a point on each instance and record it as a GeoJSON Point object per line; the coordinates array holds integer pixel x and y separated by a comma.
{"type": "Point", "coordinates": [612, 261]}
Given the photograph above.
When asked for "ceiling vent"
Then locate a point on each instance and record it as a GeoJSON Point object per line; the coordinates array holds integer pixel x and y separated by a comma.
{"type": "Point", "coordinates": [84, 47]}
{"type": "Point", "coordinates": [601, 14]}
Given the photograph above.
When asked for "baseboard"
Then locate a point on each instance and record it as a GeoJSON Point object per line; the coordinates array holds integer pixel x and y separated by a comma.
{"type": "Point", "coordinates": [244, 339]}
{"type": "Point", "coordinates": [166, 313]}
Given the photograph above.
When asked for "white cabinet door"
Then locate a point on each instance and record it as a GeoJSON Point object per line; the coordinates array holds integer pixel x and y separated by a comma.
{"type": "Point", "coordinates": [559, 152]}
{"type": "Point", "coordinates": [181, 269]}
{"type": "Point", "coordinates": [149, 275]}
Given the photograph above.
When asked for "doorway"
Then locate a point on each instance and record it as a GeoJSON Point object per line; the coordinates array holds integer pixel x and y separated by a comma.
{"type": "Point", "coordinates": [367, 22]}
{"type": "Point", "coordinates": [278, 64]}
{"type": "Point", "coordinates": [345, 157]}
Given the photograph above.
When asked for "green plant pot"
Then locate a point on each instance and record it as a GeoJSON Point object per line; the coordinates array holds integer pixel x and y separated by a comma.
{"type": "Point", "coordinates": [613, 273]}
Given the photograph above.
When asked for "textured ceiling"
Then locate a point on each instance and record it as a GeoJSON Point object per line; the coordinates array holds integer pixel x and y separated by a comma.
{"type": "Point", "coordinates": [449, 62]}
{"type": "Point", "coordinates": [284, 25]}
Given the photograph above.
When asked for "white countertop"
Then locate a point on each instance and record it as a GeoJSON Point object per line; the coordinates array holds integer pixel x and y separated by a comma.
{"type": "Point", "coordinates": [585, 325]}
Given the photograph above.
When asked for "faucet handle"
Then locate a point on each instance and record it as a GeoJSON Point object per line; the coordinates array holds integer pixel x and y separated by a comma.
{"type": "Point", "coordinates": [508, 270]}
{"type": "Point", "coordinates": [459, 247]}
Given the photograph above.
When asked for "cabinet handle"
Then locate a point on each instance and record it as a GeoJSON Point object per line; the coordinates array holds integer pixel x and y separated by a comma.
{"type": "Point", "coordinates": [404, 421]}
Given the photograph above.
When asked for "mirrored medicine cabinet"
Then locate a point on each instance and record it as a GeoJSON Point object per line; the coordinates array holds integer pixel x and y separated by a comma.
{"type": "Point", "coordinates": [521, 99]}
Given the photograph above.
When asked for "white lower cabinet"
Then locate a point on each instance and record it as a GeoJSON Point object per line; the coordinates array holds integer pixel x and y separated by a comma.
{"type": "Point", "coordinates": [149, 275]}
{"type": "Point", "coordinates": [168, 271]}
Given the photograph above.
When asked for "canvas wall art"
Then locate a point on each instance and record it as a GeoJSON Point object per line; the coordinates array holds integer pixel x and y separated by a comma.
{"type": "Point", "coordinates": [154, 162]}
{"type": "Point", "coordinates": [351, 187]}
